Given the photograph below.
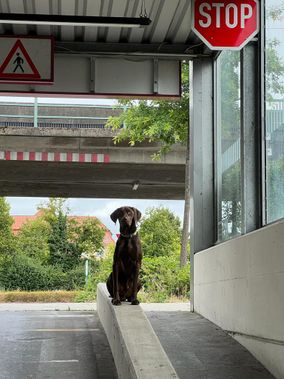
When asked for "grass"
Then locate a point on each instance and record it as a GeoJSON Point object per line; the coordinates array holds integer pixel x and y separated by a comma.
{"type": "Point", "coordinates": [79, 296]}
{"type": "Point", "coordinates": [39, 296]}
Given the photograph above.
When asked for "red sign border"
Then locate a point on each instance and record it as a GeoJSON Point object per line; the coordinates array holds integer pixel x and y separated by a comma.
{"type": "Point", "coordinates": [19, 45]}
{"type": "Point", "coordinates": [207, 43]}
{"type": "Point", "coordinates": [22, 80]}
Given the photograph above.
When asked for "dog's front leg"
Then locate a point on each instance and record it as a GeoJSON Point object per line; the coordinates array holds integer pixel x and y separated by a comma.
{"type": "Point", "coordinates": [135, 301]}
{"type": "Point", "coordinates": [116, 298]}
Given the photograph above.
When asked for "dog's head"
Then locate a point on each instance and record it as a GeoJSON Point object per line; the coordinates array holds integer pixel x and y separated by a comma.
{"type": "Point", "coordinates": [127, 216]}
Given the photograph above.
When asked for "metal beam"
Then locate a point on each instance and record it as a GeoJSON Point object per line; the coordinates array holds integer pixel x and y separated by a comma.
{"type": "Point", "coordinates": [166, 50]}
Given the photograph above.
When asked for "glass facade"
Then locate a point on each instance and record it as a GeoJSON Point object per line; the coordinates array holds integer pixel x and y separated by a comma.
{"type": "Point", "coordinates": [228, 133]}
{"type": "Point", "coordinates": [274, 106]}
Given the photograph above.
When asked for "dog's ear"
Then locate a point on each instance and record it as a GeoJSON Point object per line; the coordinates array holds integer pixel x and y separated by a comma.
{"type": "Point", "coordinates": [116, 214]}
{"type": "Point", "coordinates": [137, 214]}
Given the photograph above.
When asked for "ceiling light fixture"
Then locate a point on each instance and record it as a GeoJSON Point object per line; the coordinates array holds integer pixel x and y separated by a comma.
{"type": "Point", "coordinates": [93, 21]}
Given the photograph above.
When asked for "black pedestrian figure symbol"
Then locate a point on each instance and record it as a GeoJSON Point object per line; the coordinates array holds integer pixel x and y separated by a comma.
{"type": "Point", "coordinates": [18, 62]}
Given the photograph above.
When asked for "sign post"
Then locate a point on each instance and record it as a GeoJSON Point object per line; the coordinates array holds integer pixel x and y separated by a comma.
{"type": "Point", "coordinates": [227, 24]}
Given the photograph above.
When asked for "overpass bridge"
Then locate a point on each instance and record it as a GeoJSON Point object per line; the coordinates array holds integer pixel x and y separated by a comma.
{"type": "Point", "coordinates": [66, 151]}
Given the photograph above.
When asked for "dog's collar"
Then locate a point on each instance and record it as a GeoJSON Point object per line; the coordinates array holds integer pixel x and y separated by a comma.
{"type": "Point", "coordinates": [128, 235]}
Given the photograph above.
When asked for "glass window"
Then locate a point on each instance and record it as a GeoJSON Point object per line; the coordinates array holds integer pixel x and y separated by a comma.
{"type": "Point", "coordinates": [228, 131]}
{"type": "Point", "coordinates": [274, 84]}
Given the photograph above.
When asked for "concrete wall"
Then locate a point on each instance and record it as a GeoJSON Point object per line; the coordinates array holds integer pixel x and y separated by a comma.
{"type": "Point", "coordinates": [239, 285]}
{"type": "Point", "coordinates": [137, 351]}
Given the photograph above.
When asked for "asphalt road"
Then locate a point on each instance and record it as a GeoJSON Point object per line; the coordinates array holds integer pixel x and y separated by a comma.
{"type": "Point", "coordinates": [53, 344]}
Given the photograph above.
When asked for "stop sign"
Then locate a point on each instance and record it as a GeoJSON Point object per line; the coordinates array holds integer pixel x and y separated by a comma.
{"type": "Point", "coordinates": [227, 24]}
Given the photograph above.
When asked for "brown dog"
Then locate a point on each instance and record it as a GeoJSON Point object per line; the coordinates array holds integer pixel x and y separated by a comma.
{"type": "Point", "coordinates": [123, 283]}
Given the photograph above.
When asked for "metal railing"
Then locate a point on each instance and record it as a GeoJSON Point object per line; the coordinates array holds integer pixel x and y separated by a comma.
{"type": "Point", "coordinates": [30, 115]}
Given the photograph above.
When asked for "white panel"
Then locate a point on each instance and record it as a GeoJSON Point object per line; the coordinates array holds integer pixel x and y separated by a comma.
{"type": "Point", "coordinates": [123, 76]}
{"type": "Point", "coordinates": [113, 77]}
{"type": "Point", "coordinates": [72, 74]}
{"type": "Point", "coordinates": [168, 83]}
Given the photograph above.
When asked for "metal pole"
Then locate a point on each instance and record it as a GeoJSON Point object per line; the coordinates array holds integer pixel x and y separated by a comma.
{"type": "Point", "coordinates": [86, 270]}
{"type": "Point", "coordinates": [35, 113]}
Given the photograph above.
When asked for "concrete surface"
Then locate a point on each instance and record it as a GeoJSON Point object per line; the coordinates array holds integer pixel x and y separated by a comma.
{"type": "Point", "coordinates": [162, 179]}
{"type": "Point", "coordinates": [56, 345]}
{"type": "Point", "coordinates": [23, 307]}
{"type": "Point", "coordinates": [239, 286]}
{"type": "Point", "coordinates": [198, 349]}
{"type": "Point", "coordinates": [136, 349]}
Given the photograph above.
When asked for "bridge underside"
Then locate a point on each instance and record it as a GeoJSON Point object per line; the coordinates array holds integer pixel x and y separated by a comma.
{"type": "Point", "coordinates": [113, 180]}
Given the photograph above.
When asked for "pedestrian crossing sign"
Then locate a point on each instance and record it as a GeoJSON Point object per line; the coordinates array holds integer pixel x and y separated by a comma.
{"type": "Point", "coordinates": [26, 60]}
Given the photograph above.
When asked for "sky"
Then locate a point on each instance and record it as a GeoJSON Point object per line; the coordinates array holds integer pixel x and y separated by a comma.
{"type": "Point", "coordinates": [100, 208]}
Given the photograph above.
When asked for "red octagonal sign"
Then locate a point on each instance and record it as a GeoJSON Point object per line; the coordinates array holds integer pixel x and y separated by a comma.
{"type": "Point", "coordinates": [227, 24]}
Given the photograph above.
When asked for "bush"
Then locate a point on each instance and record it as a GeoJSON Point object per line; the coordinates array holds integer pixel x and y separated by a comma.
{"type": "Point", "coordinates": [24, 273]}
{"type": "Point", "coordinates": [99, 274]}
{"type": "Point", "coordinates": [162, 278]}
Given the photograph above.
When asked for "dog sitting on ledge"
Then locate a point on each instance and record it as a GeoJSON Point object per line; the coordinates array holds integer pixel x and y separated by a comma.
{"type": "Point", "coordinates": [123, 283]}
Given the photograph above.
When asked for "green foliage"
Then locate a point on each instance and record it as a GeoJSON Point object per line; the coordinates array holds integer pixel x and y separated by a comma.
{"type": "Point", "coordinates": [62, 252]}
{"type": "Point", "coordinates": [32, 239]}
{"type": "Point", "coordinates": [160, 233]}
{"type": "Point", "coordinates": [25, 273]}
{"type": "Point", "coordinates": [99, 274]}
{"type": "Point", "coordinates": [89, 236]}
{"type": "Point", "coordinates": [163, 278]}
{"type": "Point", "coordinates": [157, 120]}
{"type": "Point", "coordinates": [7, 241]}
{"type": "Point", "coordinates": [274, 70]}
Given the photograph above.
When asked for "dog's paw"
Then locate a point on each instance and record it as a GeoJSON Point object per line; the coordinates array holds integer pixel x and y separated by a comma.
{"type": "Point", "coordinates": [116, 302]}
{"type": "Point", "coordinates": [135, 302]}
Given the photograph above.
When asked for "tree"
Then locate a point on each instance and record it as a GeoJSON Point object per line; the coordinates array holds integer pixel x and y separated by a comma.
{"type": "Point", "coordinates": [160, 233]}
{"type": "Point", "coordinates": [89, 236]}
{"type": "Point", "coordinates": [7, 243]}
{"type": "Point", "coordinates": [62, 252]}
{"type": "Point", "coordinates": [32, 239]}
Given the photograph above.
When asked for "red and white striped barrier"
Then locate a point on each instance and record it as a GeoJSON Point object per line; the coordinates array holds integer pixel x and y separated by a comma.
{"type": "Point", "coordinates": [46, 156]}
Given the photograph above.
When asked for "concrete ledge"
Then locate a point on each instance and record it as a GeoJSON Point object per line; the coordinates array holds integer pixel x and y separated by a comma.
{"type": "Point", "coordinates": [136, 350]}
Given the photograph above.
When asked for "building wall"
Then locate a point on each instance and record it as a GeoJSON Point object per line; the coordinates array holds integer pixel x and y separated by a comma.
{"type": "Point", "coordinates": [239, 286]}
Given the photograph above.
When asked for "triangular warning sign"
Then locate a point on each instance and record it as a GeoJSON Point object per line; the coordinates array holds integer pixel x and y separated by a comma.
{"type": "Point", "coordinates": [18, 64]}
